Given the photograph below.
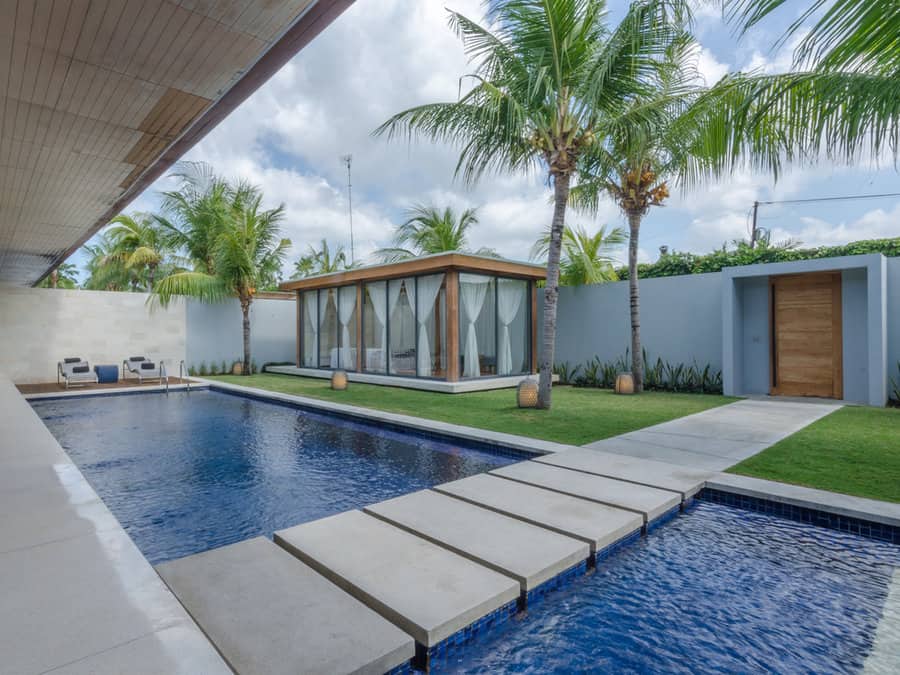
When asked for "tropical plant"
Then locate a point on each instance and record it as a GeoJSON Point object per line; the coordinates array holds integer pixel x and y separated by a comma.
{"type": "Point", "coordinates": [105, 268]}
{"type": "Point", "coordinates": [429, 230]}
{"type": "Point", "coordinates": [586, 258]}
{"type": "Point", "coordinates": [63, 275]}
{"type": "Point", "coordinates": [547, 76]}
{"type": "Point", "coordinates": [660, 375]}
{"type": "Point", "coordinates": [895, 388]}
{"type": "Point", "coordinates": [842, 98]}
{"type": "Point", "coordinates": [140, 244]}
{"type": "Point", "coordinates": [238, 243]}
{"type": "Point", "coordinates": [321, 261]}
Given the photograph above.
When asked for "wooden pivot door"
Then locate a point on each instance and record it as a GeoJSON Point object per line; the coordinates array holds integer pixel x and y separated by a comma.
{"type": "Point", "coordinates": [807, 342]}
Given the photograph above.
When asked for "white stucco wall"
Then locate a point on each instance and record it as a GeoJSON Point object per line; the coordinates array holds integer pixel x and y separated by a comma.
{"type": "Point", "coordinates": [38, 327]}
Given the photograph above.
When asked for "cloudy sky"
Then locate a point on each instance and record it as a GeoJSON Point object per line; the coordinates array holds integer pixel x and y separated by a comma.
{"type": "Point", "coordinates": [382, 56]}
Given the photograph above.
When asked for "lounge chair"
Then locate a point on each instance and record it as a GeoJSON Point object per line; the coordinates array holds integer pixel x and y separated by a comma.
{"type": "Point", "coordinates": [144, 369]}
{"type": "Point", "coordinates": [73, 371]}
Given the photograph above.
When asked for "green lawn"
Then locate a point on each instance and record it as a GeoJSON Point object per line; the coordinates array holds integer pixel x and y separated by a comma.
{"type": "Point", "coordinates": [578, 416]}
{"type": "Point", "coordinates": [853, 450]}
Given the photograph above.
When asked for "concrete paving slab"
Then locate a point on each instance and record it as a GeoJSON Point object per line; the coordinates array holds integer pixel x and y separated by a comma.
{"type": "Point", "coordinates": [596, 524]}
{"type": "Point", "coordinates": [529, 554]}
{"type": "Point", "coordinates": [625, 445]}
{"type": "Point", "coordinates": [642, 471]}
{"type": "Point", "coordinates": [428, 591]}
{"type": "Point", "coordinates": [718, 438]}
{"type": "Point", "coordinates": [267, 612]}
{"type": "Point", "coordinates": [647, 501]}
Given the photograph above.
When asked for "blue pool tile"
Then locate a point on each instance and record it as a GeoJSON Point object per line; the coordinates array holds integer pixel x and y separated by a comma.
{"type": "Point", "coordinates": [561, 580]}
{"type": "Point", "coordinates": [432, 657]}
{"type": "Point", "coordinates": [831, 521]}
{"type": "Point", "coordinates": [608, 551]}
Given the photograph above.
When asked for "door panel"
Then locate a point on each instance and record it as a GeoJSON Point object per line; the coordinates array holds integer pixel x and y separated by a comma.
{"type": "Point", "coordinates": [806, 335]}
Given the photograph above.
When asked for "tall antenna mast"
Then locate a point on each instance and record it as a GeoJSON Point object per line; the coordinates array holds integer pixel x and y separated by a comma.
{"type": "Point", "coordinates": [348, 160]}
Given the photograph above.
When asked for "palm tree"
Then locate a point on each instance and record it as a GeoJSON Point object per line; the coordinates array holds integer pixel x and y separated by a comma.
{"type": "Point", "coordinates": [547, 74]}
{"type": "Point", "coordinates": [321, 261]}
{"type": "Point", "coordinates": [63, 275]}
{"type": "Point", "coordinates": [429, 230]}
{"type": "Point", "coordinates": [586, 258]}
{"type": "Point", "coordinates": [139, 241]}
{"type": "Point", "coordinates": [106, 270]}
{"type": "Point", "coordinates": [239, 247]}
{"type": "Point", "coordinates": [842, 98]}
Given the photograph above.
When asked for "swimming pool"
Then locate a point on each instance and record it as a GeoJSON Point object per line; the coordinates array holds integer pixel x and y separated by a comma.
{"type": "Point", "coordinates": [719, 590]}
{"type": "Point", "coordinates": [188, 472]}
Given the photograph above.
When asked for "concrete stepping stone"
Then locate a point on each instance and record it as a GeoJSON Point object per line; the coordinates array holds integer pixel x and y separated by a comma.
{"type": "Point", "coordinates": [525, 552]}
{"type": "Point", "coordinates": [267, 612]}
{"type": "Point", "coordinates": [596, 524]}
{"type": "Point", "coordinates": [635, 470]}
{"type": "Point", "coordinates": [428, 591]}
{"type": "Point", "coordinates": [651, 503]}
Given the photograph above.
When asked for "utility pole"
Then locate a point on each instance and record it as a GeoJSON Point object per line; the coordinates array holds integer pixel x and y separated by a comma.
{"type": "Point", "coordinates": [348, 160]}
{"type": "Point", "coordinates": [754, 232]}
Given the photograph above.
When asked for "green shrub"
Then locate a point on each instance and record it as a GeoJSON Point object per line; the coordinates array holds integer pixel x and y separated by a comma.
{"type": "Point", "coordinates": [677, 263]}
{"type": "Point", "coordinates": [192, 371]}
{"type": "Point", "coordinates": [659, 375]}
{"type": "Point", "coordinates": [213, 368]}
{"type": "Point", "coordinates": [253, 369]}
{"type": "Point", "coordinates": [225, 370]}
{"type": "Point", "coordinates": [203, 371]}
{"type": "Point", "coordinates": [895, 389]}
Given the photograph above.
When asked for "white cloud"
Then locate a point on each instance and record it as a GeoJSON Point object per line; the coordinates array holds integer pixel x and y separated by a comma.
{"type": "Point", "coordinates": [874, 224]}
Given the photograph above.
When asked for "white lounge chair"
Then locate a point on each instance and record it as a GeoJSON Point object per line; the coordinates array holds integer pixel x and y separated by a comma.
{"type": "Point", "coordinates": [75, 372]}
{"type": "Point", "coordinates": [144, 369]}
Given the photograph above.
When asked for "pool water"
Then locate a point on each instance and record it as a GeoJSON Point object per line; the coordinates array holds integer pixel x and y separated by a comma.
{"type": "Point", "coordinates": [717, 590]}
{"type": "Point", "coordinates": [188, 472]}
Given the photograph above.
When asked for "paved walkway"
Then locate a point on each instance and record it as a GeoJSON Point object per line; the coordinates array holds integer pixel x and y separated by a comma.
{"type": "Point", "coordinates": [721, 437]}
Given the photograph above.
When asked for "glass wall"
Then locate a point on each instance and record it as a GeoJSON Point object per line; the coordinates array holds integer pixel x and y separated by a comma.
{"type": "Point", "coordinates": [494, 325]}
{"type": "Point", "coordinates": [477, 325]}
{"type": "Point", "coordinates": [514, 326]}
{"type": "Point", "coordinates": [328, 328]}
{"type": "Point", "coordinates": [347, 317]}
{"type": "Point", "coordinates": [309, 318]}
{"type": "Point", "coordinates": [375, 327]}
{"type": "Point", "coordinates": [431, 314]}
{"type": "Point", "coordinates": [402, 326]}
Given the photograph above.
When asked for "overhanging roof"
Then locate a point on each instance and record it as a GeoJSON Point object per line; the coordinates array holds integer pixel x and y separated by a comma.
{"type": "Point", "coordinates": [429, 264]}
{"type": "Point", "coordinates": [99, 98]}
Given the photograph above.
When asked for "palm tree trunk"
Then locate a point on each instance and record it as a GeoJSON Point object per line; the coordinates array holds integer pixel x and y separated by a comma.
{"type": "Point", "coordinates": [151, 273]}
{"type": "Point", "coordinates": [637, 355]}
{"type": "Point", "coordinates": [551, 290]}
{"type": "Point", "coordinates": [54, 279]}
{"type": "Point", "coordinates": [245, 310]}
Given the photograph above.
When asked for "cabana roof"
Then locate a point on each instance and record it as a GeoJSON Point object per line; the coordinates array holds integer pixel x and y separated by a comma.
{"type": "Point", "coordinates": [438, 262]}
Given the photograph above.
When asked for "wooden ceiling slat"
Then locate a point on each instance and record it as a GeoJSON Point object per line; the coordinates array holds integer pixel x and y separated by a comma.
{"type": "Point", "coordinates": [96, 95]}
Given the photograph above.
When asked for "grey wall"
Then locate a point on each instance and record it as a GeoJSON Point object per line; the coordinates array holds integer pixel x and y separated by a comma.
{"type": "Point", "coordinates": [681, 320]}
{"type": "Point", "coordinates": [854, 292]}
{"type": "Point", "coordinates": [214, 332]}
{"type": "Point", "coordinates": [893, 317]}
{"type": "Point", "coordinates": [754, 337]}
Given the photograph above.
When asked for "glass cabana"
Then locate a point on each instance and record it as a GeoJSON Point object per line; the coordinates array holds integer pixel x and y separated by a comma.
{"type": "Point", "coordinates": [449, 317]}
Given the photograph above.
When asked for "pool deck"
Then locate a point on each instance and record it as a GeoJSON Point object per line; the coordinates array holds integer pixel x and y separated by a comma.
{"type": "Point", "coordinates": [78, 596]}
{"type": "Point", "coordinates": [437, 567]}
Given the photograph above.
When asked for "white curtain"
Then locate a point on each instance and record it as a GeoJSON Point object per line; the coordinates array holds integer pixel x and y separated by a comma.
{"type": "Point", "coordinates": [429, 287]}
{"type": "Point", "coordinates": [326, 297]}
{"type": "Point", "coordinates": [394, 287]}
{"type": "Point", "coordinates": [472, 290]}
{"type": "Point", "coordinates": [310, 299]}
{"type": "Point", "coordinates": [347, 308]}
{"type": "Point", "coordinates": [376, 295]}
{"type": "Point", "coordinates": [510, 294]}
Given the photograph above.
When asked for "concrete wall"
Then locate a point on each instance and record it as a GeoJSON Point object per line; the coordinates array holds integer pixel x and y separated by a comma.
{"type": "Point", "coordinates": [893, 317]}
{"type": "Point", "coordinates": [39, 327]}
{"type": "Point", "coordinates": [754, 338]}
{"type": "Point", "coordinates": [855, 332]}
{"type": "Point", "coordinates": [215, 334]}
{"type": "Point", "coordinates": [681, 320]}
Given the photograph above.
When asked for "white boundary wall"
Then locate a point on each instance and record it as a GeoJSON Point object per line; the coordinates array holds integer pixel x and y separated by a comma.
{"type": "Point", "coordinates": [39, 327]}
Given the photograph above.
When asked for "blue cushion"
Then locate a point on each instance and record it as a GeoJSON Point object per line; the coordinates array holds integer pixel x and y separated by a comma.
{"type": "Point", "coordinates": [107, 374]}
